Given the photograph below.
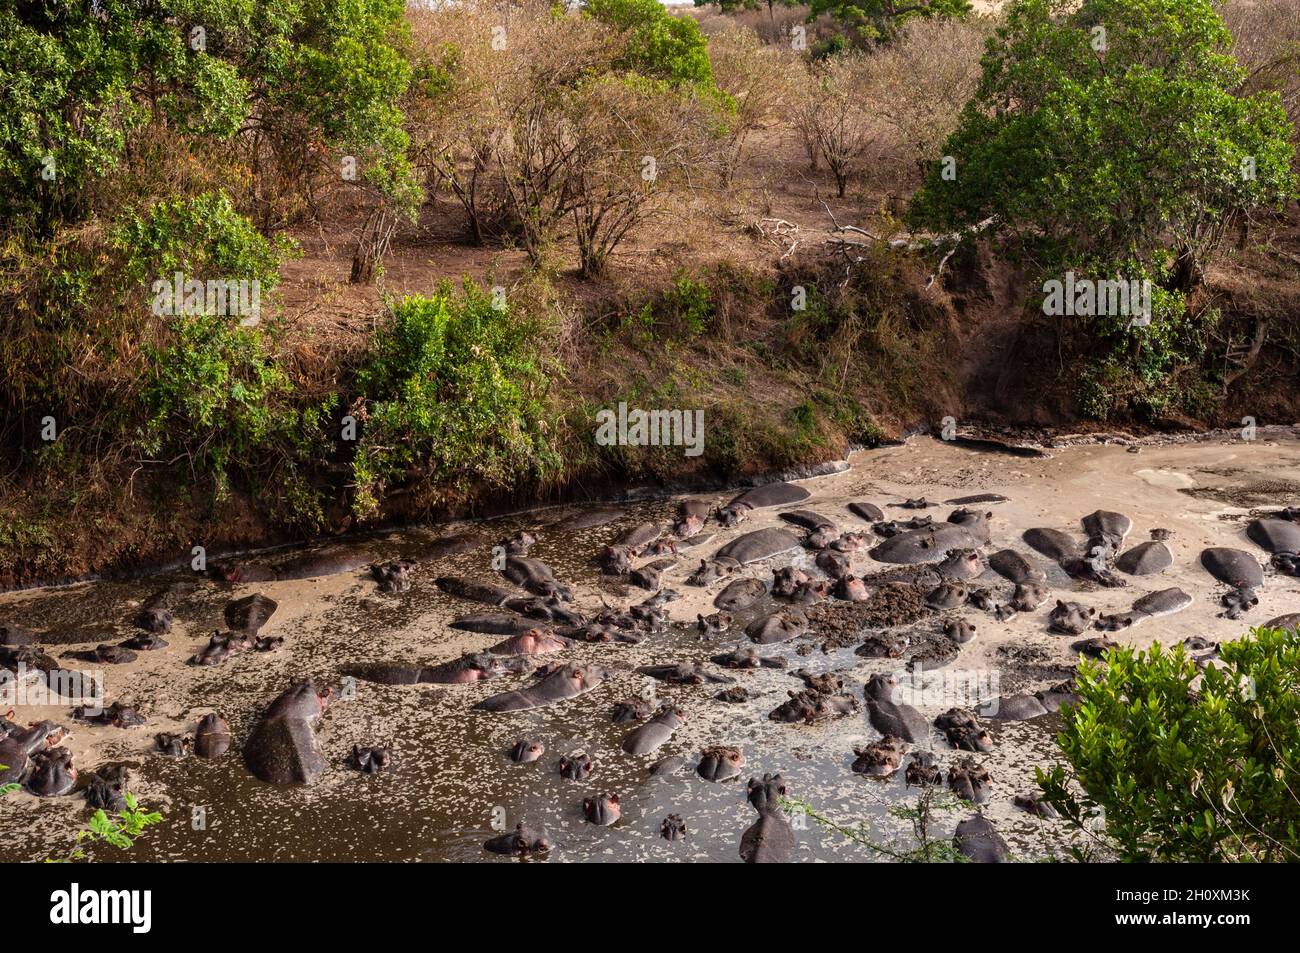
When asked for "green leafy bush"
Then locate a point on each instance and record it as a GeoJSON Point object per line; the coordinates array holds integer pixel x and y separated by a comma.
{"type": "Point", "coordinates": [658, 44]}
{"type": "Point", "coordinates": [453, 393]}
{"type": "Point", "coordinates": [1187, 771]}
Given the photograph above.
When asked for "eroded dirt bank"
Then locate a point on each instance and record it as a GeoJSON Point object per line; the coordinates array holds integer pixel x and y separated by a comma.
{"type": "Point", "coordinates": [450, 779]}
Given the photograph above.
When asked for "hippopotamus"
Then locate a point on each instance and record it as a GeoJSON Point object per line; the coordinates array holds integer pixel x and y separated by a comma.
{"type": "Point", "coordinates": [283, 748]}
{"type": "Point", "coordinates": [786, 579]}
{"type": "Point", "coordinates": [650, 737]}
{"type": "Point", "coordinates": [473, 590]}
{"type": "Point", "coordinates": [959, 630]}
{"type": "Point", "coordinates": [369, 760]}
{"type": "Point", "coordinates": [250, 613]}
{"type": "Point", "coordinates": [740, 594]}
{"type": "Point", "coordinates": [173, 746]}
{"type": "Point", "coordinates": [922, 771]}
{"type": "Point", "coordinates": [1095, 647]}
{"type": "Point", "coordinates": [735, 695]}
{"type": "Point", "coordinates": [970, 780]}
{"type": "Point", "coordinates": [720, 763]}
{"type": "Point", "coordinates": [1070, 618]}
{"type": "Point", "coordinates": [567, 681]}
{"type": "Point", "coordinates": [107, 788]}
{"type": "Point", "coordinates": [599, 632]}
{"type": "Point", "coordinates": [117, 715]}
{"type": "Point", "coordinates": [887, 529]}
{"type": "Point", "coordinates": [536, 577]}
{"type": "Point", "coordinates": [882, 645]}
{"type": "Point", "coordinates": [849, 542]}
{"type": "Point", "coordinates": [691, 515]}
{"type": "Point", "coordinates": [826, 683]}
{"type": "Point", "coordinates": [673, 828]}
{"type": "Point", "coordinates": [212, 737]}
{"type": "Point", "coordinates": [866, 511]}
{"type": "Point", "coordinates": [1275, 535]}
{"type": "Point", "coordinates": [1286, 563]}
{"type": "Point", "coordinates": [711, 570]}
{"type": "Point", "coordinates": [393, 576]}
{"type": "Point", "coordinates": [1145, 559]}
{"type": "Point", "coordinates": [947, 595]}
{"type": "Point", "coordinates": [961, 564]}
{"type": "Point", "coordinates": [713, 624]}
{"type": "Point", "coordinates": [155, 613]}
{"type": "Point", "coordinates": [493, 623]}
{"type": "Point", "coordinates": [811, 707]}
{"type": "Point", "coordinates": [778, 626]}
{"type": "Point", "coordinates": [104, 655]}
{"type": "Point", "coordinates": [925, 545]}
{"type": "Point", "coordinates": [880, 759]}
{"type": "Point", "coordinates": [1035, 805]}
{"type": "Point", "coordinates": [836, 565]}
{"type": "Point", "coordinates": [1016, 567]}
{"type": "Point", "coordinates": [1116, 621]}
{"type": "Point", "coordinates": [630, 710]}
{"type": "Point", "coordinates": [19, 744]}
{"type": "Point", "coordinates": [1163, 602]}
{"type": "Point", "coordinates": [603, 809]}
{"type": "Point", "coordinates": [1290, 621]}
{"type": "Point", "coordinates": [769, 840]}
{"type": "Point", "coordinates": [851, 589]}
{"type": "Point", "coordinates": [661, 547]}
{"type": "Point", "coordinates": [615, 560]}
{"type": "Point", "coordinates": [532, 642]}
{"type": "Point", "coordinates": [977, 498]}
{"type": "Point", "coordinates": [519, 544]}
{"type": "Point", "coordinates": [1028, 596]}
{"type": "Point", "coordinates": [1239, 601]}
{"type": "Point", "coordinates": [544, 609]}
{"type": "Point", "coordinates": [1016, 708]}
{"type": "Point", "coordinates": [309, 566]}
{"type": "Point", "coordinates": [746, 657]}
{"type": "Point", "coordinates": [772, 494]}
{"type": "Point", "coordinates": [650, 575]}
{"type": "Point", "coordinates": [668, 766]}
{"type": "Point", "coordinates": [914, 503]}
{"type": "Point", "coordinates": [51, 773]}
{"type": "Point", "coordinates": [576, 766]}
{"type": "Point", "coordinates": [977, 840]}
{"type": "Point", "coordinates": [758, 545]}
{"type": "Point", "coordinates": [684, 673]}
{"type": "Point", "coordinates": [521, 842]}
{"type": "Point", "coordinates": [982, 598]}
{"type": "Point", "coordinates": [1105, 526]}
{"type": "Point", "coordinates": [145, 642]}
{"type": "Point", "coordinates": [465, 670]}
{"type": "Point", "coordinates": [1238, 569]}
{"type": "Point", "coordinates": [890, 717]}
{"type": "Point", "coordinates": [1053, 543]}
{"type": "Point", "coordinates": [526, 751]}
{"type": "Point", "coordinates": [807, 519]}
{"type": "Point", "coordinates": [221, 646]}
{"type": "Point", "coordinates": [963, 730]}
{"type": "Point", "coordinates": [810, 592]}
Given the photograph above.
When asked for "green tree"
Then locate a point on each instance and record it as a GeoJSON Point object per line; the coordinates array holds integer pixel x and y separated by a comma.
{"type": "Point", "coordinates": [659, 45]}
{"type": "Point", "coordinates": [879, 20]}
{"type": "Point", "coordinates": [1172, 769]}
{"type": "Point", "coordinates": [1110, 134]}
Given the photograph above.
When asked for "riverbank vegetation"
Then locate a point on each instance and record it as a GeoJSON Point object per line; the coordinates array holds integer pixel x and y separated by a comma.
{"type": "Point", "coordinates": [456, 232]}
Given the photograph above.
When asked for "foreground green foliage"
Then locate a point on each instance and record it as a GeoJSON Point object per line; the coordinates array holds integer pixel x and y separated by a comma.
{"type": "Point", "coordinates": [120, 830]}
{"type": "Point", "coordinates": [1180, 770]}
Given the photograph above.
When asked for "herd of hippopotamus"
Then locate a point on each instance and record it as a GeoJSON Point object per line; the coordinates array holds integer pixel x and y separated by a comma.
{"type": "Point", "coordinates": [944, 562]}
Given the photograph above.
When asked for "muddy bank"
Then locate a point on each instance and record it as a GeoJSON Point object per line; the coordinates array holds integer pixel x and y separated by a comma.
{"type": "Point", "coordinates": [451, 784]}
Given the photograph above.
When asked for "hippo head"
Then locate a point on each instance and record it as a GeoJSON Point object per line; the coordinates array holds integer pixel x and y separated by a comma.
{"type": "Point", "coordinates": [881, 687]}
{"type": "Point", "coordinates": [765, 795]}
{"type": "Point", "coordinates": [616, 560]}
{"type": "Point", "coordinates": [520, 842]}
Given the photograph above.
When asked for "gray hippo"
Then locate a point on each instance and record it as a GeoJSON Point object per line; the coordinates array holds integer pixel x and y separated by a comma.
{"type": "Point", "coordinates": [282, 748]}
{"type": "Point", "coordinates": [532, 642]}
{"type": "Point", "coordinates": [684, 673]}
{"type": "Point", "coordinates": [1145, 559]}
{"type": "Point", "coordinates": [779, 626]}
{"type": "Point", "coordinates": [691, 515]}
{"type": "Point", "coordinates": [720, 763]}
{"type": "Point", "coordinates": [1070, 618]}
{"type": "Point", "coordinates": [964, 731]}
{"type": "Point", "coordinates": [673, 828]}
{"type": "Point", "coordinates": [811, 707]}
{"type": "Point", "coordinates": [576, 766]}
{"type": "Point", "coordinates": [369, 760]}
{"type": "Point", "coordinates": [890, 717]}
{"type": "Point", "coordinates": [107, 788]}
{"type": "Point", "coordinates": [602, 810]}
{"type": "Point", "coordinates": [567, 681]}
{"type": "Point", "coordinates": [212, 737]}
{"type": "Point", "coordinates": [470, 668]}
{"type": "Point", "coordinates": [493, 623]}
{"type": "Point", "coordinates": [18, 746]}
{"type": "Point", "coordinates": [1238, 569]}
{"type": "Point", "coordinates": [977, 840]}
{"type": "Point", "coordinates": [473, 590]}
{"type": "Point", "coordinates": [760, 544]}
{"type": "Point", "coordinates": [536, 577]}
{"type": "Point", "coordinates": [651, 736]}
{"type": "Point", "coordinates": [250, 613]}
{"type": "Point", "coordinates": [393, 576]}
{"type": "Point", "coordinates": [880, 759]}
{"type": "Point", "coordinates": [521, 842]}
{"type": "Point", "coordinates": [51, 773]}
{"type": "Point", "coordinates": [740, 594]}
{"type": "Point", "coordinates": [1017, 568]}
{"type": "Point", "coordinates": [769, 840]}
{"type": "Point", "coordinates": [526, 751]}
{"type": "Point", "coordinates": [970, 780]}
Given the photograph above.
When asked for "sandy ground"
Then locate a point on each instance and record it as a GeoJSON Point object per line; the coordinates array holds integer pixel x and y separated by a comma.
{"type": "Point", "coordinates": [451, 786]}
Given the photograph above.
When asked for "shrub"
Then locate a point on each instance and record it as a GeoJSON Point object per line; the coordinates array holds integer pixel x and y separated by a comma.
{"type": "Point", "coordinates": [658, 44]}
{"type": "Point", "coordinates": [453, 392]}
{"type": "Point", "coordinates": [1181, 771]}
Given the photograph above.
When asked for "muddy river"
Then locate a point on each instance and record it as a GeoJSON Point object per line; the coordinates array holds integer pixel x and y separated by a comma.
{"type": "Point", "coordinates": [451, 785]}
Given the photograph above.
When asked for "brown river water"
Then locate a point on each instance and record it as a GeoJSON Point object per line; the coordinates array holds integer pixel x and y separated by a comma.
{"type": "Point", "coordinates": [450, 786]}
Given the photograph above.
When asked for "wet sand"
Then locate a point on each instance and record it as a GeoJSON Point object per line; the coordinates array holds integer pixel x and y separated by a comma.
{"type": "Point", "coordinates": [451, 786]}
